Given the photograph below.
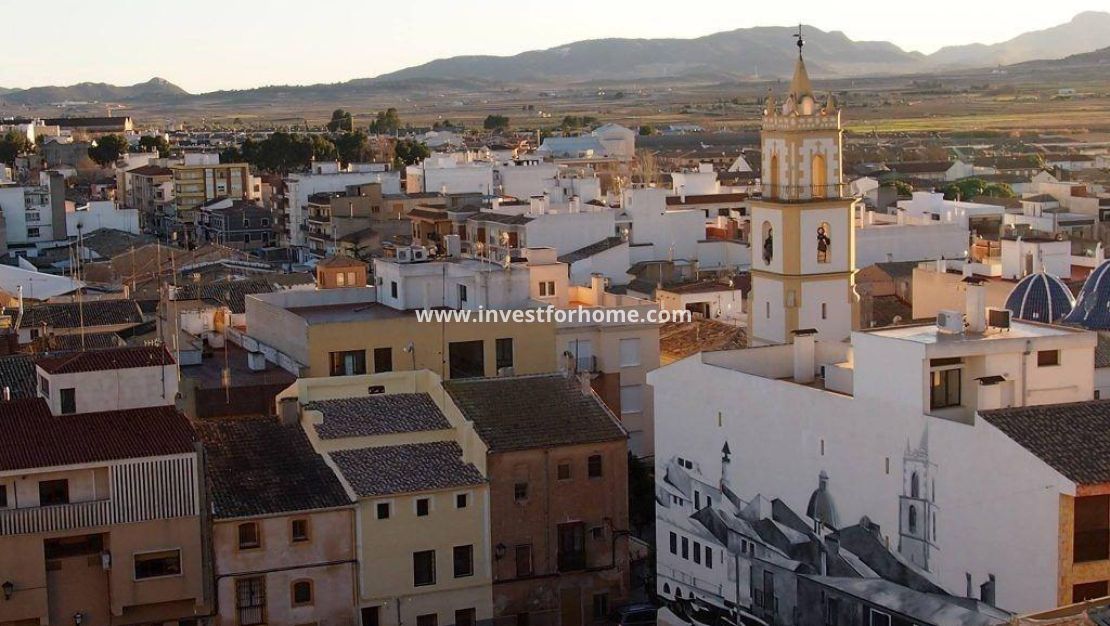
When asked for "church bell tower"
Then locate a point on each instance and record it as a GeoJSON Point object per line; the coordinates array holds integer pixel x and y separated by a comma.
{"type": "Point", "coordinates": [802, 228]}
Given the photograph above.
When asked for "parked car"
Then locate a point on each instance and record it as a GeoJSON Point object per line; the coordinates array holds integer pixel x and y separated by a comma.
{"type": "Point", "coordinates": [640, 614]}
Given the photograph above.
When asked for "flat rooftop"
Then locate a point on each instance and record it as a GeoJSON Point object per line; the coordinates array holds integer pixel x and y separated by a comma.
{"type": "Point", "coordinates": [930, 334]}
{"type": "Point", "coordinates": [209, 374]}
{"type": "Point", "coordinates": [351, 312]}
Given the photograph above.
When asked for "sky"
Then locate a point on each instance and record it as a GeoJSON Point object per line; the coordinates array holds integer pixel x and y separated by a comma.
{"type": "Point", "coordinates": [206, 45]}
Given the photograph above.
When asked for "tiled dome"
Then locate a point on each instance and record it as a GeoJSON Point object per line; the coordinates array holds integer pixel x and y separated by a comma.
{"type": "Point", "coordinates": [1092, 309]}
{"type": "Point", "coordinates": [1040, 297]}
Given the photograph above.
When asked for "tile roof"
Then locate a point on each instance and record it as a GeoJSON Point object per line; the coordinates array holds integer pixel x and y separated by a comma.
{"type": "Point", "coordinates": [340, 261]}
{"type": "Point", "coordinates": [378, 415]}
{"type": "Point", "coordinates": [17, 373]}
{"type": "Point", "coordinates": [107, 359]}
{"type": "Point", "coordinates": [1072, 438]}
{"type": "Point", "coordinates": [678, 340]}
{"type": "Point", "coordinates": [151, 170]}
{"type": "Point", "coordinates": [233, 292]}
{"type": "Point", "coordinates": [93, 313]}
{"type": "Point", "coordinates": [73, 342]}
{"type": "Point", "coordinates": [522, 412]}
{"type": "Point", "coordinates": [428, 213]}
{"type": "Point", "coordinates": [406, 468]}
{"type": "Point", "coordinates": [35, 438]}
{"type": "Point", "coordinates": [250, 462]}
{"type": "Point", "coordinates": [588, 251]}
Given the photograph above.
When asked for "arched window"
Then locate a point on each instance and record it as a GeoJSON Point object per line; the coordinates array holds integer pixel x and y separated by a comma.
{"type": "Point", "coordinates": [666, 588]}
{"type": "Point", "coordinates": [775, 192]}
{"type": "Point", "coordinates": [302, 592]}
{"type": "Point", "coordinates": [913, 519]}
{"type": "Point", "coordinates": [768, 243]}
{"type": "Point", "coordinates": [914, 486]}
{"type": "Point", "coordinates": [819, 176]}
{"type": "Point", "coordinates": [934, 526]}
{"type": "Point", "coordinates": [824, 242]}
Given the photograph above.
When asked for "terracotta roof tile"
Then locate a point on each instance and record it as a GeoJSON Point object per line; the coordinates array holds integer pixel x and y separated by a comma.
{"type": "Point", "coordinates": [407, 468]}
{"type": "Point", "coordinates": [108, 359]}
{"type": "Point", "coordinates": [378, 415]}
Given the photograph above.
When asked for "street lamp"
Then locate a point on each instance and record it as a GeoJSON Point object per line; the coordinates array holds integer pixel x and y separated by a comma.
{"type": "Point", "coordinates": [9, 589]}
{"type": "Point", "coordinates": [78, 617]}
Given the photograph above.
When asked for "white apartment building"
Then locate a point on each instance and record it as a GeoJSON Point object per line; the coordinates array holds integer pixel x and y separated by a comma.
{"type": "Point", "coordinates": [448, 174]}
{"type": "Point", "coordinates": [327, 178]}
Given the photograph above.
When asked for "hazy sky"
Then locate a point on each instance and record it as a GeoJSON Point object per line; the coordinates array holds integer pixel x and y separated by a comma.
{"type": "Point", "coordinates": [203, 45]}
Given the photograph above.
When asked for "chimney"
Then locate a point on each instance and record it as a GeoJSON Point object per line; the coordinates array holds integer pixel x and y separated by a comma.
{"type": "Point", "coordinates": [976, 309]}
{"type": "Point", "coordinates": [289, 411]}
{"type": "Point", "coordinates": [584, 383]}
{"type": "Point", "coordinates": [597, 286]}
{"type": "Point", "coordinates": [987, 589]}
{"type": "Point", "coordinates": [805, 347]}
{"type": "Point", "coordinates": [969, 592]}
{"type": "Point", "coordinates": [7, 394]}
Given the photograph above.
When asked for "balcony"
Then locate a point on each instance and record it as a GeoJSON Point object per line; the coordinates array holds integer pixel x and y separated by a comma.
{"type": "Point", "coordinates": [55, 518]}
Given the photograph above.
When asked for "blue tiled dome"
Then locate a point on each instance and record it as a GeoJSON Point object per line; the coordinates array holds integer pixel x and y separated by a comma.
{"type": "Point", "coordinates": [1092, 309]}
{"type": "Point", "coordinates": [1041, 298]}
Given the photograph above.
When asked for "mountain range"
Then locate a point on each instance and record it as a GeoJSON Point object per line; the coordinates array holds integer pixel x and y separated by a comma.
{"type": "Point", "coordinates": [738, 54]}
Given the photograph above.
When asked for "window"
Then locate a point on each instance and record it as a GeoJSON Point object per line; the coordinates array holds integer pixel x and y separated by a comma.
{"type": "Point", "coordinates": [504, 352]}
{"type": "Point", "coordinates": [768, 243]}
{"type": "Point", "coordinates": [349, 363]}
{"type": "Point", "coordinates": [593, 466]}
{"type": "Point", "coordinates": [879, 619]}
{"type": "Point", "coordinates": [572, 546]}
{"type": "Point", "coordinates": [709, 557]}
{"type": "Point", "coordinates": [462, 294]}
{"type": "Point", "coordinates": [382, 510]}
{"type": "Point", "coordinates": [351, 279]}
{"type": "Point", "coordinates": [562, 472]}
{"type": "Point", "coordinates": [1048, 358]}
{"type": "Point", "coordinates": [383, 360]}
{"type": "Point", "coordinates": [945, 390]}
{"type": "Point", "coordinates": [393, 289]}
{"type": "Point", "coordinates": [697, 552]}
{"type": "Point", "coordinates": [424, 568]}
{"type": "Point", "coordinates": [464, 561]}
{"type": "Point", "coordinates": [371, 615]}
{"type": "Point", "coordinates": [430, 619]}
{"type": "Point", "coordinates": [601, 607]}
{"type": "Point", "coordinates": [520, 491]}
{"type": "Point", "coordinates": [1089, 591]}
{"type": "Point", "coordinates": [3, 496]}
{"type": "Point", "coordinates": [832, 611]}
{"type": "Point", "coordinates": [685, 548]}
{"type": "Point", "coordinates": [523, 557]}
{"type": "Point", "coordinates": [32, 232]}
{"type": "Point", "coordinates": [913, 519]}
{"type": "Point", "coordinates": [630, 352]}
{"type": "Point", "coordinates": [340, 279]}
{"type": "Point", "coordinates": [423, 507]}
{"type": "Point", "coordinates": [1091, 538]}
{"type": "Point", "coordinates": [302, 593]}
{"type": "Point", "coordinates": [44, 385]}
{"type": "Point", "coordinates": [674, 543]}
{"type": "Point", "coordinates": [157, 564]}
{"type": "Point", "coordinates": [249, 536]}
{"type": "Point", "coordinates": [632, 399]}
{"type": "Point", "coordinates": [250, 600]}
{"type": "Point", "coordinates": [52, 492]}
{"type": "Point", "coordinates": [461, 500]}
{"type": "Point", "coordinates": [466, 617]}
{"type": "Point", "coordinates": [466, 359]}
{"type": "Point", "coordinates": [824, 310]}
{"type": "Point", "coordinates": [299, 530]}
{"type": "Point", "coordinates": [547, 288]}
{"type": "Point", "coordinates": [824, 243]}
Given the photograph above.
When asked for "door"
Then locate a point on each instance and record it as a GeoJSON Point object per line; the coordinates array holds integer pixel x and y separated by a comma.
{"type": "Point", "coordinates": [570, 607]}
{"type": "Point", "coordinates": [75, 580]}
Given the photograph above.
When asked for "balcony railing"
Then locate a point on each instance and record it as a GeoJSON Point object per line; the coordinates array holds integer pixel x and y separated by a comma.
{"type": "Point", "coordinates": [54, 518]}
{"type": "Point", "coordinates": [803, 193]}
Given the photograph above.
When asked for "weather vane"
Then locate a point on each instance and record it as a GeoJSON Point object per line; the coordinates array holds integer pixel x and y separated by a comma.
{"type": "Point", "coordinates": [801, 41]}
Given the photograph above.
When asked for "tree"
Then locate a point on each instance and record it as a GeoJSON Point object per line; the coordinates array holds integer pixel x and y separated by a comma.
{"type": "Point", "coordinates": [409, 152]}
{"type": "Point", "coordinates": [340, 120]}
{"type": "Point", "coordinates": [641, 496]}
{"type": "Point", "coordinates": [647, 130]}
{"type": "Point", "coordinates": [108, 149]}
{"type": "Point", "coordinates": [496, 122]}
{"type": "Point", "coordinates": [969, 188]}
{"type": "Point", "coordinates": [152, 143]}
{"type": "Point", "coordinates": [901, 187]}
{"type": "Point", "coordinates": [323, 149]}
{"type": "Point", "coordinates": [352, 148]}
{"type": "Point", "coordinates": [12, 145]}
{"type": "Point", "coordinates": [386, 122]}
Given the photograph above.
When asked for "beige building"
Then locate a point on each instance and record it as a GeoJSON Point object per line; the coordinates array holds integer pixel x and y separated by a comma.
{"type": "Point", "coordinates": [198, 181]}
{"type": "Point", "coordinates": [99, 528]}
{"type": "Point", "coordinates": [346, 331]}
{"type": "Point", "coordinates": [283, 526]}
{"type": "Point", "coordinates": [148, 188]}
{"type": "Point", "coordinates": [417, 469]}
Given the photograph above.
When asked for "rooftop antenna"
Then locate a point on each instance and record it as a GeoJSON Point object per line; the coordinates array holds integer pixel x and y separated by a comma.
{"type": "Point", "coordinates": [801, 41]}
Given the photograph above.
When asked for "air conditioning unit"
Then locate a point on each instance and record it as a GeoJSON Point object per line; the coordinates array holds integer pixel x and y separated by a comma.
{"type": "Point", "coordinates": [950, 321]}
{"type": "Point", "coordinates": [412, 254]}
{"type": "Point", "coordinates": [998, 318]}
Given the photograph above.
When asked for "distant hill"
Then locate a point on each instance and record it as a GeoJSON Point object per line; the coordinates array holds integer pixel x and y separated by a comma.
{"type": "Point", "coordinates": [1087, 59]}
{"type": "Point", "coordinates": [1085, 32]}
{"type": "Point", "coordinates": [746, 52]}
{"type": "Point", "coordinates": [763, 51]}
{"type": "Point", "coordinates": [153, 90]}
